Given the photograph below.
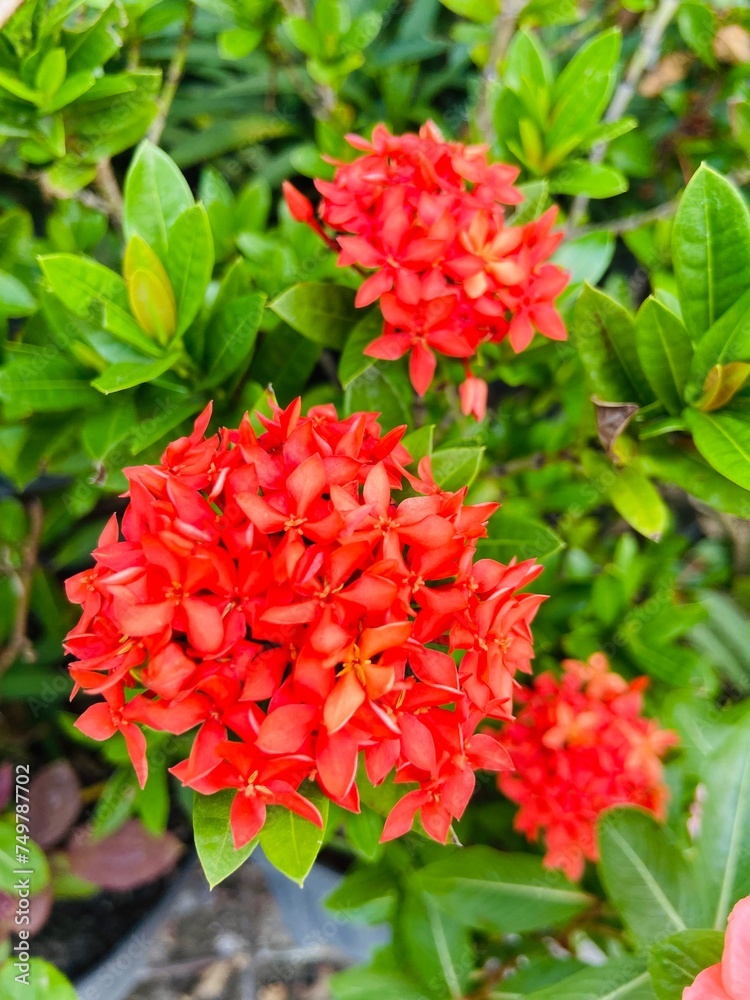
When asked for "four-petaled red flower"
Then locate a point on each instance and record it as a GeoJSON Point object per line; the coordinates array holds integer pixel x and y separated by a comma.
{"type": "Point", "coordinates": [274, 593]}
{"type": "Point", "coordinates": [579, 746]}
{"type": "Point", "coordinates": [427, 217]}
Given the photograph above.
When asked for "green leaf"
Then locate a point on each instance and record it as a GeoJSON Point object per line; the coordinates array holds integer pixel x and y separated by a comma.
{"type": "Point", "coordinates": [128, 374]}
{"type": "Point", "coordinates": [291, 843]}
{"type": "Point", "coordinates": [501, 893]}
{"type": "Point", "coordinates": [44, 982]}
{"type": "Point", "coordinates": [322, 312]}
{"type": "Point", "coordinates": [387, 392]}
{"type": "Point", "coordinates": [230, 338]}
{"type": "Point", "coordinates": [364, 983]}
{"type": "Point", "coordinates": [15, 298]}
{"type": "Point", "coordinates": [419, 442]}
{"type": "Point", "coordinates": [692, 474]}
{"type": "Point", "coordinates": [35, 381]}
{"type": "Point", "coordinates": [676, 961]}
{"type": "Point", "coordinates": [479, 11]}
{"type": "Point", "coordinates": [723, 438]}
{"type": "Point", "coordinates": [190, 263]}
{"type": "Point", "coordinates": [213, 836]}
{"type": "Point", "coordinates": [665, 352]}
{"type": "Point", "coordinates": [604, 336]}
{"type": "Point", "coordinates": [523, 537]}
{"type": "Point", "coordinates": [155, 195]}
{"type": "Point", "coordinates": [722, 859]}
{"type": "Point", "coordinates": [34, 859]}
{"type": "Point", "coordinates": [583, 89]}
{"type": "Point", "coordinates": [91, 290]}
{"type": "Point", "coordinates": [710, 249]}
{"type": "Point", "coordinates": [635, 498]}
{"type": "Point", "coordinates": [454, 468]}
{"type": "Point", "coordinates": [363, 895]}
{"type": "Point", "coordinates": [645, 875]}
{"type": "Point", "coordinates": [102, 431]}
{"type": "Point", "coordinates": [595, 180]}
{"type": "Point", "coordinates": [620, 979]}
{"type": "Point", "coordinates": [353, 361]}
{"type": "Point", "coordinates": [728, 340]}
{"type": "Point", "coordinates": [51, 72]}
{"type": "Point", "coordinates": [434, 946]}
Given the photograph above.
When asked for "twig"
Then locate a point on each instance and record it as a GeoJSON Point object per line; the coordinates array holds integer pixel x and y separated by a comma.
{"type": "Point", "coordinates": [628, 223]}
{"type": "Point", "coordinates": [644, 59]}
{"type": "Point", "coordinates": [502, 33]}
{"type": "Point", "coordinates": [109, 189]}
{"type": "Point", "coordinates": [7, 10]}
{"type": "Point", "coordinates": [174, 75]}
{"type": "Point", "coordinates": [19, 642]}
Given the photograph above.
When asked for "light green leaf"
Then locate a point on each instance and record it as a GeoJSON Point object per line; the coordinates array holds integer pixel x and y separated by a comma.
{"type": "Point", "coordinates": [128, 374]}
{"type": "Point", "coordinates": [15, 298]}
{"type": "Point", "coordinates": [15, 855]}
{"type": "Point", "coordinates": [156, 194]}
{"type": "Point", "coordinates": [692, 474]}
{"type": "Point", "coordinates": [501, 893]}
{"type": "Point", "coordinates": [676, 961]}
{"type": "Point", "coordinates": [291, 843]}
{"type": "Point", "coordinates": [45, 982]}
{"type": "Point", "coordinates": [711, 249]}
{"type": "Point", "coordinates": [523, 537]}
{"type": "Point", "coordinates": [454, 468]}
{"type": "Point", "coordinates": [635, 498]}
{"type": "Point", "coordinates": [353, 361]}
{"type": "Point", "coordinates": [595, 180]}
{"type": "Point", "coordinates": [91, 290]}
{"type": "Point", "coordinates": [722, 859]}
{"type": "Point", "coordinates": [322, 312]}
{"type": "Point", "coordinates": [665, 352]}
{"type": "Point", "coordinates": [190, 263]}
{"type": "Point", "coordinates": [723, 438]}
{"type": "Point", "coordinates": [646, 878]}
{"type": "Point", "coordinates": [213, 836]}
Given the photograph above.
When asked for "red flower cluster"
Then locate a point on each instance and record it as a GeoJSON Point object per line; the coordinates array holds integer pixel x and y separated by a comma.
{"type": "Point", "coordinates": [272, 592]}
{"type": "Point", "coordinates": [427, 216]}
{"type": "Point", "coordinates": [580, 745]}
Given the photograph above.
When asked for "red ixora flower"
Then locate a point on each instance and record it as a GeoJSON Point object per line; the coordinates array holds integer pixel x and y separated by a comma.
{"type": "Point", "coordinates": [272, 590]}
{"type": "Point", "coordinates": [579, 746]}
{"type": "Point", "coordinates": [427, 217]}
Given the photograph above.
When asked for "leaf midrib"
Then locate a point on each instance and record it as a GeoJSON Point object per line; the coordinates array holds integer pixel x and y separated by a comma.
{"type": "Point", "coordinates": [649, 880]}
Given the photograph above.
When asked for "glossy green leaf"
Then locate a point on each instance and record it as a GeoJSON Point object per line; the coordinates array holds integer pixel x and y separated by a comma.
{"type": "Point", "coordinates": [454, 468]}
{"type": "Point", "coordinates": [694, 475]}
{"type": "Point", "coordinates": [723, 438]}
{"type": "Point", "coordinates": [353, 361]}
{"type": "Point", "coordinates": [364, 983]}
{"type": "Point", "coordinates": [499, 892]}
{"type": "Point", "coordinates": [603, 333]}
{"type": "Point", "coordinates": [15, 298]}
{"type": "Point", "coordinates": [665, 352]}
{"type": "Point", "coordinates": [103, 431]}
{"type": "Point", "coordinates": [385, 390]}
{"type": "Point", "coordinates": [231, 336]}
{"type": "Point", "coordinates": [722, 859]}
{"type": "Point", "coordinates": [91, 290]}
{"type": "Point", "coordinates": [637, 500]}
{"type": "Point", "coordinates": [364, 895]}
{"type": "Point", "coordinates": [523, 537]}
{"type": "Point", "coordinates": [213, 836]}
{"type": "Point", "coordinates": [728, 340]}
{"type": "Point", "coordinates": [595, 180]}
{"type": "Point", "coordinates": [156, 194]}
{"type": "Point", "coordinates": [291, 843]}
{"type": "Point", "coordinates": [675, 962]}
{"type": "Point", "coordinates": [646, 877]}
{"type": "Point", "coordinates": [711, 249]}
{"type": "Point", "coordinates": [322, 312]}
{"type": "Point", "coordinates": [190, 263]}
{"type": "Point", "coordinates": [128, 374]}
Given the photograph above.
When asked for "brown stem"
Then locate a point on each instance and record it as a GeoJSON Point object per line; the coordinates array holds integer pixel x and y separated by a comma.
{"type": "Point", "coordinates": [19, 642]}
{"type": "Point", "coordinates": [174, 75]}
{"type": "Point", "coordinates": [109, 189]}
